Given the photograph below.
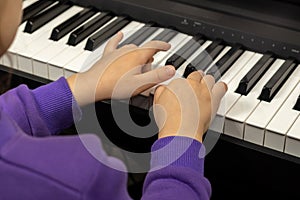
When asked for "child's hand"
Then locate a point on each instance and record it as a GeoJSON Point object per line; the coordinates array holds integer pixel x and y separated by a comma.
{"type": "Point", "coordinates": [186, 107]}
{"type": "Point", "coordinates": [120, 73]}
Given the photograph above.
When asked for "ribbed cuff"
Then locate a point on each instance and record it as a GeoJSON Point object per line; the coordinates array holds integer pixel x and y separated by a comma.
{"type": "Point", "coordinates": [57, 105]}
{"type": "Point", "coordinates": [178, 151]}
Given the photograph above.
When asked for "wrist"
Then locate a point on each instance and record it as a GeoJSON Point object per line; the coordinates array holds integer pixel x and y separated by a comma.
{"type": "Point", "coordinates": [194, 134]}
{"type": "Point", "coordinates": [81, 89]}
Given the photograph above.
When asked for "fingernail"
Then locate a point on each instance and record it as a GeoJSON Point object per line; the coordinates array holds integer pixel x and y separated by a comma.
{"type": "Point", "coordinates": [119, 33]}
{"type": "Point", "coordinates": [170, 70]}
{"type": "Point", "coordinates": [225, 85]}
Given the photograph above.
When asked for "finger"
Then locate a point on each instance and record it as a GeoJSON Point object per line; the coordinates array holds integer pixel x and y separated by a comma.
{"type": "Point", "coordinates": [158, 91]}
{"type": "Point", "coordinates": [113, 43]}
{"type": "Point", "coordinates": [196, 76]}
{"type": "Point", "coordinates": [152, 47]}
{"type": "Point", "coordinates": [218, 91]}
{"type": "Point", "coordinates": [209, 81]}
{"type": "Point", "coordinates": [153, 77]}
{"type": "Point", "coordinates": [146, 68]}
{"type": "Point", "coordinates": [129, 46]}
{"type": "Point", "coordinates": [158, 75]}
{"type": "Point", "coordinates": [158, 45]}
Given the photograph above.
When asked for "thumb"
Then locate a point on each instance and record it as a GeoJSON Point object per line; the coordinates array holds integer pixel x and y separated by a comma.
{"type": "Point", "coordinates": [113, 43]}
{"type": "Point", "coordinates": [158, 92]}
{"type": "Point", "coordinates": [157, 75]}
{"type": "Point", "coordinates": [153, 77]}
{"type": "Point", "coordinates": [218, 92]}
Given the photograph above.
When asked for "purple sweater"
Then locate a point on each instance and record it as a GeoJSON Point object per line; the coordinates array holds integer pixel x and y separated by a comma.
{"type": "Point", "coordinates": [36, 166]}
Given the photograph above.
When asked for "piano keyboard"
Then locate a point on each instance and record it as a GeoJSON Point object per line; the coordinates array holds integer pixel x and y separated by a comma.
{"type": "Point", "coordinates": [262, 105]}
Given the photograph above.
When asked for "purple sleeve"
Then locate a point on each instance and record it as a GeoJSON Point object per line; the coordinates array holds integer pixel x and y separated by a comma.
{"type": "Point", "coordinates": [57, 167]}
{"type": "Point", "coordinates": [177, 167]}
{"type": "Point", "coordinates": [64, 164]}
{"type": "Point", "coordinates": [44, 111]}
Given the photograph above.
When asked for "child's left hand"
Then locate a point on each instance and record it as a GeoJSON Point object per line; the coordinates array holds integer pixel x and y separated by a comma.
{"type": "Point", "coordinates": [120, 73]}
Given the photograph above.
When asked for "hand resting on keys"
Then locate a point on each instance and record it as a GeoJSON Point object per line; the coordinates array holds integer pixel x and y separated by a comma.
{"type": "Point", "coordinates": [186, 107]}
{"type": "Point", "coordinates": [120, 73]}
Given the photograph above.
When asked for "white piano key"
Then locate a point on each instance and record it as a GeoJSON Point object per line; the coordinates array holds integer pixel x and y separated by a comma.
{"type": "Point", "coordinates": [264, 112]}
{"type": "Point", "coordinates": [41, 59]}
{"type": "Point", "coordinates": [88, 58]}
{"type": "Point", "coordinates": [25, 55]}
{"type": "Point", "coordinates": [176, 43]}
{"type": "Point", "coordinates": [9, 59]}
{"type": "Point", "coordinates": [69, 54]}
{"type": "Point", "coordinates": [283, 120]}
{"type": "Point", "coordinates": [221, 54]}
{"type": "Point", "coordinates": [27, 3]}
{"type": "Point", "coordinates": [239, 112]}
{"type": "Point", "coordinates": [292, 145]}
{"type": "Point", "coordinates": [231, 97]}
{"type": "Point", "coordinates": [237, 67]}
{"type": "Point", "coordinates": [152, 36]}
{"type": "Point", "coordinates": [218, 122]}
{"type": "Point", "coordinates": [70, 69]}
{"type": "Point", "coordinates": [24, 39]}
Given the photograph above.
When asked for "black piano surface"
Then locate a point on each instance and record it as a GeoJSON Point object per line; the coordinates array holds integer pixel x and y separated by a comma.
{"type": "Point", "coordinates": [236, 169]}
{"type": "Point", "coordinates": [260, 26]}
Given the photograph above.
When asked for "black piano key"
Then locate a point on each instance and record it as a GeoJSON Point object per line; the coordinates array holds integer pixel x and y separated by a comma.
{"type": "Point", "coordinates": [166, 35]}
{"type": "Point", "coordinates": [205, 57]}
{"type": "Point", "coordinates": [108, 31]}
{"type": "Point", "coordinates": [278, 79]}
{"type": "Point", "coordinates": [169, 36]}
{"type": "Point", "coordinates": [205, 63]}
{"type": "Point", "coordinates": [70, 24]}
{"type": "Point", "coordinates": [188, 70]}
{"type": "Point", "coordinates": [206, 52]}
{"type": "Point", "coordinates": [146, 34]}
{"type": "Point", "coordinates": [252, 77]}
{"type": "Point", "coordinates": [297, 105]}
{"type": "Point", "coordinates": [185, 52]}
{"type": "Point", "coordinates": [35, 8]}
{"type": "Point", "coordinates": [43, 18]}
{"type": "Point", "coordinates": [134, 36]}
{"type": "Point", "coordinates": [226, 62]}
{"type": "Point", "coordinates": [87, 29]}
{"type": "Point", "coordinates": [161, 35]}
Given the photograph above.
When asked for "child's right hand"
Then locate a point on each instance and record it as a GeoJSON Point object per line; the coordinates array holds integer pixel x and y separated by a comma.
{"type": "Point", "coordinates": [186, 107]}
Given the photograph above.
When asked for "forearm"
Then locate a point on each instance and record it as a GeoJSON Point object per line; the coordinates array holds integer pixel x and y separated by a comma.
{"type": "Point", "coordinates": [44, 111]}
{"type": "Point", "coordinates": [177, 168]}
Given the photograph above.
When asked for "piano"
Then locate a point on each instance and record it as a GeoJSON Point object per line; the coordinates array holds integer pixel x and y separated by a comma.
{"type": "Point", "coordinates": [252, 46]}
